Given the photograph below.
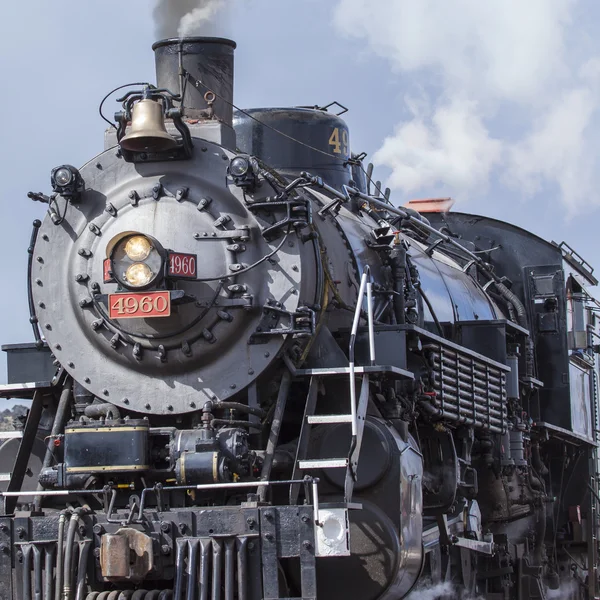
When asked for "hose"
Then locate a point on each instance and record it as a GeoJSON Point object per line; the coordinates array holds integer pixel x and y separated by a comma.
{"type": "Point", "coordinates": [514, 300]}
{"type": "Point", "coordinates": [82, 569]}
{"type": "Point", "coordinates": [59, 554]}
{"type": "Point", "coordinates": [67, 592]}
{"type": "Point", "coordinates": [244, 408]}
{"type": "Point", "coordinates": [235, 423]}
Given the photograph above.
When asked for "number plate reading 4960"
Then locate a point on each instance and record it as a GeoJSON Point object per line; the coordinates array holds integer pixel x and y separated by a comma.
{"type": "Point", "coordinates": [139, 306]}
{"type": "Point", "coordinates": [182, 265]}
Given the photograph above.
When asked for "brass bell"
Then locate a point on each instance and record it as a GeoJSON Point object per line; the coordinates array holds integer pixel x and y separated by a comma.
{"type": "Point", "coordinates": [147, 132]}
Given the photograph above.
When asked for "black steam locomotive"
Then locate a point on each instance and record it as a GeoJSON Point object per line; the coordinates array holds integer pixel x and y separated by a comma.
{"type": "Point", "coordinates": [255, 377]}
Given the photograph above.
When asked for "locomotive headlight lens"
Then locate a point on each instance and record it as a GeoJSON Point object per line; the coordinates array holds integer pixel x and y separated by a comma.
{"type": "Point", "coordinates": [137, 260]}
{"type": "Point", "coordinates": [138, 248]}
{"type": "Point", "coordinates": [63, 176]}
{"type": "Point", "coordinates": [138, 275]}
{"type": "Point", "coordinates": [239, 166]}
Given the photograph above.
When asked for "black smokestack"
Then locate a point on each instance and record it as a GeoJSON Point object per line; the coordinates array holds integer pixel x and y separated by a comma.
{"type": "Point", "coordinates": [195, 66]}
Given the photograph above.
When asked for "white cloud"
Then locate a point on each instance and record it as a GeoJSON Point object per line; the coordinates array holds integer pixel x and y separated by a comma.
{"type": "Point", "coordinates": [453, 147]}
{"type": "Point", "coordinates": [559, 151]}
{"type": "Point", "coordinates": [479, 60]}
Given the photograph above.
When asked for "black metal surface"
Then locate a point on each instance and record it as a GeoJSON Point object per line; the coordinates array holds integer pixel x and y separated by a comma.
{"type": "Point", "coordinates": [116, 446]}
{"type": "Point", "coordinates": [535, 269]}
{"type": "Point", "coordinates": [319, 141]}
{"type": "Point", "coordinates": [207, 65]}
{"type": "Point", "coordinates": [27, 363]}
{"type": "Point", "coordinates": [284, 389]}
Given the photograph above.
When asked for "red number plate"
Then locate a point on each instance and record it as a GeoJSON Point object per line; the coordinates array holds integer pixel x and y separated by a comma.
{"type": "Point", "coordinates": [182, 265]}
{"type": "Point", "coordinates": [108, 278]}
{"type": "Point", "coordinates": [139, 305]}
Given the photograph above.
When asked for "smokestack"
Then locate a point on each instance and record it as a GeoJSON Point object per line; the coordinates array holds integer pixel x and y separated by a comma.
{"type": "Point", "coordinates": [194, 66]}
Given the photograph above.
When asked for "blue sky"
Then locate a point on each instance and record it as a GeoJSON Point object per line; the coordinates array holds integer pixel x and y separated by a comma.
{"type": "Point", "coordinates": [494, 103]}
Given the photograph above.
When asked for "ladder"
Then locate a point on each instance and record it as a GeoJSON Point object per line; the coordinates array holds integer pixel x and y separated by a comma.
{"type": "Point", "coordinates": [358, 410]}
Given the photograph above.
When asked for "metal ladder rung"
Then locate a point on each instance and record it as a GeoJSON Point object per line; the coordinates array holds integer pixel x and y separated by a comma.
{"type": "Point", "coordinates": [322, 419]}
{"type": "Point", "coordinates": [323, 463]}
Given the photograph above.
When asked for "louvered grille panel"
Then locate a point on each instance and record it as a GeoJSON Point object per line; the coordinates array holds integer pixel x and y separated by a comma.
{"type": "Point", "coordinates": [469, 390]}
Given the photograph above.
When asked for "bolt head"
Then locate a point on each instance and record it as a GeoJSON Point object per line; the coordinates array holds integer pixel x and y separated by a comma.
{"type": "Point", "coordinates": [97, 529]}
{"type": "Point", "coordinates": [165, 549]}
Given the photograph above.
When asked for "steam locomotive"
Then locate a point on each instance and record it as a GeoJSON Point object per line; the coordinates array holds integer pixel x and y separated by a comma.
{"type": "Point", "coordinates": [254, 376]}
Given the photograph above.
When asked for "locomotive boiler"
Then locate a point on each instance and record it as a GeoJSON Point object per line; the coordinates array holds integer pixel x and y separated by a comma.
{"type": "Point", "coordinates": [263, 379]}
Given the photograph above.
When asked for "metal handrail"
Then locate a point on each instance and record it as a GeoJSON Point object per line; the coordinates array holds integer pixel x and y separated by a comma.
{"type": "Point", "coordinates": [365, 283]}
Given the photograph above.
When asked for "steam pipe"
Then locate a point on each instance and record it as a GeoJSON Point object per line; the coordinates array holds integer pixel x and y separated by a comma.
{"type": "Point", "coordinates": [106, 410]}
{"type": "Point", "coordinates": [57, 427]}
{"type": "Point", "coordinates": [235, 423]}
{"type": "Point", "coordinates": [398, 261]}
{"type": "Point", "coordinates": [244, 408]}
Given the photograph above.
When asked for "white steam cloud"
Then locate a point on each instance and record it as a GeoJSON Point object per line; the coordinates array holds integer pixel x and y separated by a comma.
{"type": "Point", "coordinates": [178, 18]}
{"type": "Point", "coordinates": [502, 90]}
{"type": "Point", "coordinates": [446, 590]}
{"type": "Point", "coordinates": [568, 590]}
{"type": "Point", "coordinates": [430, 591]}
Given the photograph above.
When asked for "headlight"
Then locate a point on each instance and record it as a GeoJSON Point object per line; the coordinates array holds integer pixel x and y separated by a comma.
{"type": "Point", "coordinates": [138, 247]}
{"type": "Point", "coordinates": [66, 181]}
{"type": "Point", "coordinates": [241, 172]}
{"type": "Point", "coordinates": [63, 176]}
{"type": "Point", "coordinates": [138, 275]}
{"type": "Point", "coordinates": [137, 261]}
{"type": "Point", "coordinates": [239, 166]}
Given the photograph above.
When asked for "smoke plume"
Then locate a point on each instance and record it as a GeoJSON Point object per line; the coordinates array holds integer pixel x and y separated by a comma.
{"type": "Point", "coordinates": [178, 18]}
{"type": "Point", "coordinates": [501, 92]}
